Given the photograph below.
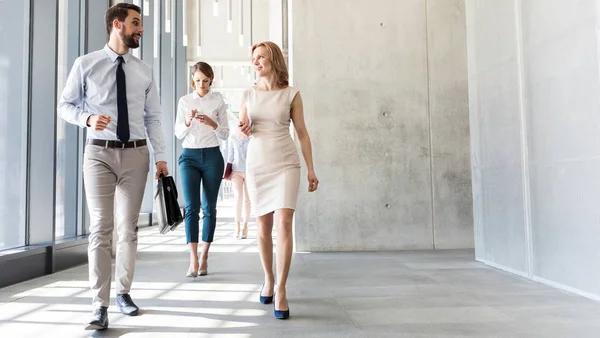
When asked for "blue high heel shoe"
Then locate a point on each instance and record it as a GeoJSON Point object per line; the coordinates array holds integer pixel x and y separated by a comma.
{"type": "Point", "coordinates": [281, 314]}
{"type": "Point", "coordinates": [265, 299]}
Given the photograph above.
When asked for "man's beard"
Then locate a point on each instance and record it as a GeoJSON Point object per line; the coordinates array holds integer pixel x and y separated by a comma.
{"type": "Point", "coordinates": [129, 41]}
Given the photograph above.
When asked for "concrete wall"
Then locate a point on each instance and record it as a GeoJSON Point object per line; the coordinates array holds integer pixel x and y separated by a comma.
{"type": "Point", "coordinates": [385, 94]}
{"type": "Point", "coordinates": [534, 93]}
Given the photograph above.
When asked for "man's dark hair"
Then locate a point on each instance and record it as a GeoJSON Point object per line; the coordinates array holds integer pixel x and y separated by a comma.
{"type": "Point", "coordinates": [119, 11]}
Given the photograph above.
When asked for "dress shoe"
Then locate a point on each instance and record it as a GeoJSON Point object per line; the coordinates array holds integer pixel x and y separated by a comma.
{"type": "Point", "coordinates": [99, 319]}
{"type": "Point", "coordinates": [126, 305]}
{"type": "Point", "coordinates": [193, 270]}
{"type": "Point", "coordinates": [191, 274]}
{"type": "Point", "coordinates": [236, 234]}
{"type": "Point", "coordinates": [282, 314]}
{"type": "Point", "coordinates": [245, 231]}
{"type": "Point", "coordinates": [265, 299]}
{"type": "Point", "coordinates": [203, 272]}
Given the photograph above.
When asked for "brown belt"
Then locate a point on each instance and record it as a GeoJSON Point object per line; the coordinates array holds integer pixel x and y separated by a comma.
{"type": "Point", "coordinates": [116, 144]}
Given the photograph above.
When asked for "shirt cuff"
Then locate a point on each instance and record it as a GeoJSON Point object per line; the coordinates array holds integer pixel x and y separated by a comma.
{"type": "Point", "coordinates": [219, 132]}
{"type": "Point", "coordinates": [158, 157]}
{"type": "Point", "coordinates": [83, 119]}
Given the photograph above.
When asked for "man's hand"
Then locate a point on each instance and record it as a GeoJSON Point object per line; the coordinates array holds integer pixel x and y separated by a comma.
{"type": "Point", "coordinates": [98, 122]}
{"type": "Point", "coordinates": [161, 168]}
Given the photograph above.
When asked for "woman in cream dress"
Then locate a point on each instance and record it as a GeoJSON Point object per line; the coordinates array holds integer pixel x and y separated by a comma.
{"type": "Point", "coordinates": [273, 165]}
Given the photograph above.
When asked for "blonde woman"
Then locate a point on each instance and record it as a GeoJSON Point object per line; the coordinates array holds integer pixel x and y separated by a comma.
{"type": "Point", "coordinates": [273, 165]}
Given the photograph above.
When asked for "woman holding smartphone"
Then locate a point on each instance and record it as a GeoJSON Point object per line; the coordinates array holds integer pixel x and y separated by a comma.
{"type": "Point", "coordinates": [201, 121]}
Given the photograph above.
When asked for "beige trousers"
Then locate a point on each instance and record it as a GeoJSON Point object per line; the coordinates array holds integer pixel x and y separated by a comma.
{"type": "Point", "coordinates": [114, 181]}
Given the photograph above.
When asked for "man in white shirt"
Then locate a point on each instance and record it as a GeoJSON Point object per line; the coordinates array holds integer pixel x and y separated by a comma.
{"type": "Point", "coordinates": [113, 95]}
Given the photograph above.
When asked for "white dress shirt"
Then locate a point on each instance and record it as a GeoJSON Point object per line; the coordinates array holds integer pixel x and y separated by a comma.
{"type": "Point", "coordinates": [198, 134]}
{"type": "Point", "coordinates": [91, 88]}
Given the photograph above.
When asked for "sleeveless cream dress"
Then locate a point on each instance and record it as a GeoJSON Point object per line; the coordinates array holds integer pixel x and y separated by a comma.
{"type": "Point", "coordinates": [272, 163]}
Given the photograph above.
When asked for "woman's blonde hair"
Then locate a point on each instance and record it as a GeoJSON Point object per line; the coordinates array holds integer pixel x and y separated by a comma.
{"type": "Point", "coordinates": [277, 62]}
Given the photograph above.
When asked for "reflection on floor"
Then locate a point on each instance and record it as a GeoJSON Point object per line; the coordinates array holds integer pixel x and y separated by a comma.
{"type": "Point", "coordinates": [384, 294]}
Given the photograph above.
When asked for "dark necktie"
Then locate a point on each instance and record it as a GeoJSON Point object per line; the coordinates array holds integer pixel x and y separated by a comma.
{"type": "Point", "coordinates": [123, 115]}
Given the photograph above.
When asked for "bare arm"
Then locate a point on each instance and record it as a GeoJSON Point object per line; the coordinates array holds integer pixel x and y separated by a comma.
{"type": "Point", "coordinates": [300, 126]}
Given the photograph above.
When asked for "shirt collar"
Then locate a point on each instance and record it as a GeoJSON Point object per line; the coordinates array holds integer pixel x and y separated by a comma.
{"type": "Point", "coordinates": [207, 96]}
{"type": "Point", "coordinates": [113, 56]}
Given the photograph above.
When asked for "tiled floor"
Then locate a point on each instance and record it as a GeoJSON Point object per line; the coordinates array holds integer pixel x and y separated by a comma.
{"type": "Point", "coordinates": [383, 294]}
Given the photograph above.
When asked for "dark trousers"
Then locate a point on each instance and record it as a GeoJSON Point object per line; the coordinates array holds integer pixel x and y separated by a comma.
{"type": "Point", "coordinates": [201, 166]}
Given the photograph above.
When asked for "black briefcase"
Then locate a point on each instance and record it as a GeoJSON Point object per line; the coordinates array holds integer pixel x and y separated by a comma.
{"type": "Point", "coordinates": [168, 213]}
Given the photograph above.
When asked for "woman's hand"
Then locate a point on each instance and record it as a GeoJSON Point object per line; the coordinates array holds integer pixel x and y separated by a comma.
{"type": "Point", "coordinates": [245, 128]}
{"type": "Point", "coordinates": [205, 119]}
{"type": "Point", "coordinates": [313, 181]}
{"type": "Point", "coordinates": [190, 116]}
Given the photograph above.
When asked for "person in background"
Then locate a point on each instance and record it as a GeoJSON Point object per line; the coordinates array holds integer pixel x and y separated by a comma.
{"type": "Point", "coordinates": [236, 159]}
{"type": "Point", "coordinates": [201, 121]}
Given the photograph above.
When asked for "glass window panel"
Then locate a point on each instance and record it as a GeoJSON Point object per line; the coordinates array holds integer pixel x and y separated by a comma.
{"type": "Point", "coordinates": [14, 39]}
{"type": "Point", "coordinates": [67, 137]}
